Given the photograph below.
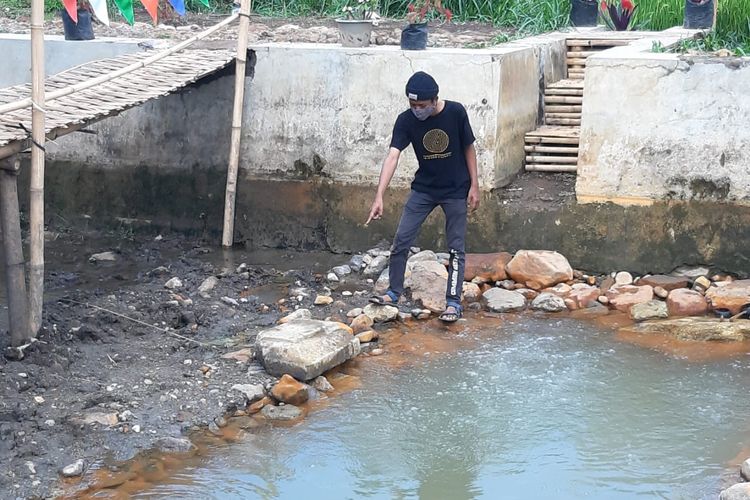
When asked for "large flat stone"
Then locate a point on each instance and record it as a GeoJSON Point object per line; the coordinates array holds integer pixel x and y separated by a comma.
{"type": "Point", "coordinates": [703, 329]}
{"type": "Point", "coordinates": [305, 348]}
{"type": "Point", "coordinates": [732, 296]}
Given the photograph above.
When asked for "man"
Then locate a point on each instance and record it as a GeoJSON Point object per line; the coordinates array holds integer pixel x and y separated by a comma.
{"type": "Point", "coordinates": [440, 133]}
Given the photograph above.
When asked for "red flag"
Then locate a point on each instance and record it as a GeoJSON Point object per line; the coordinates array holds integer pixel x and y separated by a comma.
{"type": "Point", "coordinates": [72, 8]}
{"type": "Point", "coordinates": [152, 6]}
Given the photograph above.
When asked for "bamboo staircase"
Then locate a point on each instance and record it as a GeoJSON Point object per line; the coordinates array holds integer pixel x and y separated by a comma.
{"type": "Point", "coordinates": [553, 147]}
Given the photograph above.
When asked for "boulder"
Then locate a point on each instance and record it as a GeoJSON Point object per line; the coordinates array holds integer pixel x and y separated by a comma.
{"type": "Point", "coordinates": [501, 300]}
{"type": "Point", "coordinates": [171, 444]}
{"type": "Point", "coordinates": [361, 323]}
{"type": "Point", "coordinates": [593, 311]}
{"type": "Point", "coordinates": [208, 284]}
{"type": "Point", "coordinates": [731, 296]}
{"type": "Point", "coordinates": [623, 297]}
{"type": "Point", "coordinates": [173, 283]}
{"type": "Point", "coordinates": [428, 282]}
{"type": "Point", "coordinates": [299, 314]}
{"type": "Point", "coordinates": [381, 314]}
{"type": "Point", "coordinates": [383, 282]}
{"type": "Point", "coordinates": [549, 302]}
{"type": "Point", "coordinates": [367, 336]}
{"type": "Point", "coordinates": [668, 283]}
{"type": "Point", "coordinates": [745, 470]}
{"type": "Point", "coordinates": [740, 491]}
{"type": "Point", "coordinates": [281, 413]}
{"type": "Point", "coordinates": [423, 256]}
{"type": "Point", "coordinates": [288, 390]}
{"type": "Point", "coordinates": [691, 271]}
{"type": "Point", "coordinates": [103, 257]}
{"type": "Point", "coordinates": [684, 302]}
{"type": "Point", "coordinates": [472, 292]}
{"type": "Point", "coordinates": [653, 309]}
{"type": "Point", "coordinates": [323, 300]}
{"type": "Point", "coordinates": [489, 267]}
{"type": "Point", "coordinates": [342, 271]}
{"type": "Point", "coordinates": [376, 266]}
{"type": "Point", "coordinates": [539, 268]}
{"type": "Point", "coordinates": [253, 392]}
{"type": "Point", "coordinates": [322, 384]}
{"type": "Point", "coordinates": [305, 348]}
{"type": "Point", "coordinates": [583, 296]}
{"type": "Point", "coordinates": [702, 329]}
{"type": "Point", "coordinates": [623, 278]}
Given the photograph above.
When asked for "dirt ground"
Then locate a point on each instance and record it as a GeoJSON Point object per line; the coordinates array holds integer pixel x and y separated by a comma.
{"type": "Point", "coordinates": [266, 30]}
{"type": "Point", "coordinates": [123, 362]}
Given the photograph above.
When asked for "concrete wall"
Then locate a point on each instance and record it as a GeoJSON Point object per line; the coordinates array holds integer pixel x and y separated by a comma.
{"type": "Point", "coordinates": [59, 54]}
{"type": "Point", "coordinates": [328, 110]}
{"type": "Point", "coordinates": [661, 126]}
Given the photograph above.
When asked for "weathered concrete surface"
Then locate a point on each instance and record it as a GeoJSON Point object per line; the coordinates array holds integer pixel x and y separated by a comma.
{"type": "Point", "coordinates": [661, 126]}
{"type": "Point", "coordinates": [59, 54]}
{"type": "Point", "coordinates": [699, 329]}
{"type": "Point", "coordinates": [305, 349]}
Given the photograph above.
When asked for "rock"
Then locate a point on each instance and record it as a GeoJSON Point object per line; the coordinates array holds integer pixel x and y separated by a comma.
{"type": "Point", "coordinates": [332, 277]}
{"type": "Point", "coordinates": [103, 257]}
{"type": "Point", "coordinates": [322, 384]}
{"type": "Point", "coordinates": [381, 314]}
{"type": "Point", "coordinates": [173, 284]}
{"type": "Point", "coordinates": [377, 352]}
{"type": "Point", "coordinates": [684, 302]}
{"type": "Point", "coordinates": [241, 356]}
{"type": "Point", "coordinates": [745, 470]}
{"type": "Point", "coordinates": [299, 314]}
{"type": "Point", "coordinates": [288, 390]}
{"type": "Point", "coordinates": [593, 311]}
{"type": "Point", "coordinates": [172, 444]}
{"type": "Point", "coordinates": [606, 284]}
{"type": "Point", "coordinates": [623, 297]}
{"type": "Point", "coordinates": [500, 300]}
{"type": "Point", "coordinates": [214, 429]}
{"type": "Point", "coordinates": [548, 302]}
{"type": "Point", "coordinates": [583, 296]}
{"type": "Point", "coordinates": [356, 262]}
{"type": "Point", "coordinates": [701, 284]}
{"type": "Point", "coordinates": [539, 267]}
{"type": "Point", "coordinates": [421, 313]}
{"type": "Point", "coordinates": [603, 300]}
{"type": "Point", "coordinates": [528, 293]}
{"type": "Point", "coordinates": [701, 329]}
{"type": "Point", "coordinates": [560, 289]}
{"type": "Point", "coordinates": [668, 283]}
{"type": "Point", "coordinates": [661, 292]}
{"type": "Point", "coordinates": [740, 491]}
{"type": "Point", "coordinates": [230, 301]}
{"type": "Point", "coordinates": [623, 278]}
{"type": "Point", "coordinates": [281, 413]}
{"type": "Point", "coordinates": [428, 282]}
{"type": "Point", "coordinates": [342, 271]}
{"type": "Point", "coordinates": [382, 283]}
{"type": "Point", "coordinates": [244, 422]}
{"type": "Point", "coordinates": [731, 296]}
{"type": "Point", "coordinates": [97, 417]}
{"type": "Point", "coordinates": [379, 252]}
{"type": "Point", "coordinates": [423, 256]}
{"type": "Point", "coordinates": [489, 267]}
{"type": "Point", "coordinates": [506, 284]}
{"type": "Point", "coordinates": [691, 271]}
{"type": "Point", "coordinates": [367, 336]}
{"type": "Point", "coordinates": [361, 323]}
{"type": "Point", "coordinates": [208, 284]}
{"type": "Point", "coordinates": [305, 348]}
{"type": "Point", "coordinates": [472, 292]}
{"type": "Point", "coordinates": [73, 470]}
{"type": "Point", "coordinates": [376, 266]}
{"type": "Point", "coordinates": [253, 392]}
{"type": "Point", "coordinates": [653, 309]}
{"type": "Point", "coordinates": [354, 312]}
{"type": "Point", "coordinates": [259, 405]}
{"type": "Point", "coordinates": [323, 300]}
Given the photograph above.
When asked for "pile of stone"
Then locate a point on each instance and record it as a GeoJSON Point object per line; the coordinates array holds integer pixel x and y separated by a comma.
{"type": "Point", "coordinates": [739, 491]}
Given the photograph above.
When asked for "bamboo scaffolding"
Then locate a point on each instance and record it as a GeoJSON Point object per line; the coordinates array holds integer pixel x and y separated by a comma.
{"type": "Point", "coordinates": [227, 237]}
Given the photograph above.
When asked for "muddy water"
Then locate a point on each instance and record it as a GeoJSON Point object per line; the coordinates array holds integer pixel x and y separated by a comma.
{"type": "Point", "coordinates": [520, 408]}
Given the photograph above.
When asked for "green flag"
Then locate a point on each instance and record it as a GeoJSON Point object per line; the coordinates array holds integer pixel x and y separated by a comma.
{"type": "Point", "coordinates": [205, 2]}
{"type": "Point", "coordinates": [126, 9]}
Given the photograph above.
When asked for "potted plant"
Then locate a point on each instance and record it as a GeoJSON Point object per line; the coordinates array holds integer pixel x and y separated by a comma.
{"type": "Point", "coordinates": [699, 14]}
{"type": "Point", "coordinates": [414, 35]}
{"type": "Point", "coordinates": [618, 14]}
{"type": "Point", "coordinates": [80, 27]}
{"type": "Point", "coordinates": [583, 12]}
{"type": "Point", "coordinates": [355, 29]}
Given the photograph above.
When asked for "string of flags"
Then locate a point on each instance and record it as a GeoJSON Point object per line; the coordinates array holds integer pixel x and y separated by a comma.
{"type": "Point", "coordinates": [125, 7]}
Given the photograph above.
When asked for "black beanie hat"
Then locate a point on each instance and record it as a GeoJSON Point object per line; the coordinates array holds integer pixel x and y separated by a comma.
{"type": "Point", "coordinates": [421, 87]}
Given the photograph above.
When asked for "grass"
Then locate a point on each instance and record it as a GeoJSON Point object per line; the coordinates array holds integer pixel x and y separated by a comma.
{"type": "Point", "coordinates": [739, 46]}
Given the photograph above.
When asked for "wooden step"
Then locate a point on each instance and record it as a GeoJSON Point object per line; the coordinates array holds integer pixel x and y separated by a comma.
{"type": "Point", "coordinates": [563, 99]}
{"type": "Point", "coordinates": [536, 148]}
{"type": "Point", "coordinates": [565, 84]}
{"type": "Point", "coordinates": [570, 91]}
{"type": "Point", "coordinates": [575, 61]}
{"type": "Point", "coordinates": [536, 167]}
{"type": "Point", "coordinates": [563, 121]}
{"type": "Point", "coordinates": [554, 116]}
{"type": "Point", "coordinates": [562, 160]}
{"type": "Point", "coordinates": [559, 132]}
{"type": "Point", "coordinates": [565, 108]}
{"type": "Point", "coordinates": [598, 42]}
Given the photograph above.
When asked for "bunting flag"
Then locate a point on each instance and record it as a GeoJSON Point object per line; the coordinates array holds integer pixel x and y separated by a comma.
{"type": "Point", "coordinates": [72, 7]}
{"type": "Point", "coordinates": [126, 9]}
{"type": "Point", "coordinates": [205, 2]}
{"type": "Point", "coordinates": [178, 6]}
{"type": "Point", "coordinates": [152, 7]}
{"type": "Point", "coordinates": [100, 10]}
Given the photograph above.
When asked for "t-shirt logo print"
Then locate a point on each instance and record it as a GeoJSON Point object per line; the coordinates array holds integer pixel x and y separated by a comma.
{"type": "Point", "coordinates": [436, 142]}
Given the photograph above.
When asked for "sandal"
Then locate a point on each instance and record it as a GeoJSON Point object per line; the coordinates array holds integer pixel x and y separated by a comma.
{"type": "Point", "coordinates": [383, 300]}
{"type": "Point", "coordinates": [449, 316]}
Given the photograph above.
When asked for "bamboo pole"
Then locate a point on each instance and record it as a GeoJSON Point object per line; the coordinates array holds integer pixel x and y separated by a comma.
{"type": "Point", "coordinates": [36, 192]}
{"type": "Point", "coordinates": [25, 103]}
{"type": "Point", "coordinates": [15, 274]}
{"type": "Point", "coordinates": [227, 237]}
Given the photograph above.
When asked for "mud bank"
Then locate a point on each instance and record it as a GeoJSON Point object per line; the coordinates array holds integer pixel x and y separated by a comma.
{"type": "Point", "coordinates": [535, 211]}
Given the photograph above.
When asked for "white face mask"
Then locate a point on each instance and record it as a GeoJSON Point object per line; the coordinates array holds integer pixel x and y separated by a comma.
{"type": "Point", "coordinates": [423, 113]}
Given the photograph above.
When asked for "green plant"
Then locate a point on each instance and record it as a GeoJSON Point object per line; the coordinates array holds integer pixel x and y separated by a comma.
{"type": "Point", "coordinates": [618, 14]}
{"type": "Point", "coordinates": [362, 10]}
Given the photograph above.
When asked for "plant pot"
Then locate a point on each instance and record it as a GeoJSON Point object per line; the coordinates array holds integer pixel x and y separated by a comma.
{"type": "Point", "coordinates": [584, 12]}
{"type": "Point", "coordinates": [83, 30]}
{"type": "Point", "coordinates": [699, 15]}
{"type": "Point", "coordinates": [354, 32]}
{"type": "Point", "coordinates": [414, 37]}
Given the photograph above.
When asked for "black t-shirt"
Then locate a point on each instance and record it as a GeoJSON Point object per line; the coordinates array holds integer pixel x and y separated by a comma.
{"type": "Point", "coordinates": [440, 144]}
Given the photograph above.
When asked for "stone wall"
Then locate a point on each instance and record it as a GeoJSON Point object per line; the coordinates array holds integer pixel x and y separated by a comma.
{"type": "Point", "coordinates": [662, 126]}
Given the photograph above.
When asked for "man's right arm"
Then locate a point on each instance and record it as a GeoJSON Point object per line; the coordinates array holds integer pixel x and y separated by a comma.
{"type": "Point", "coordinates": [386, 174]}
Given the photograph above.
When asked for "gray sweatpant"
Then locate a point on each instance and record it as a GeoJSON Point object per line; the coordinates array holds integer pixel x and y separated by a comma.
{"type": "Point", "coordinates": [417, 208]}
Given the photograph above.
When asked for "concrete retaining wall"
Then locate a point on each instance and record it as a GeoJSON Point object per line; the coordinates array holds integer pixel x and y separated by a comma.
{"type": "Point", "coordinates": [661, 126]}
{"type": "Point", "coordinates": [59, 54]}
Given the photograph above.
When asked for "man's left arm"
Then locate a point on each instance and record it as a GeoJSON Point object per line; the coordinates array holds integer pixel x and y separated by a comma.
{"type": "Point", "coordinates": [471, 165]}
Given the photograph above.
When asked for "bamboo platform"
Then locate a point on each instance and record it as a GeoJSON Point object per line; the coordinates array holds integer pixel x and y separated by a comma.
{"type": "Point", "coordinates": [579, 49]}
{"type": "Point", "coordinates": [72, 112]}
{"type": "Point", "coordinates": [552, 148]}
